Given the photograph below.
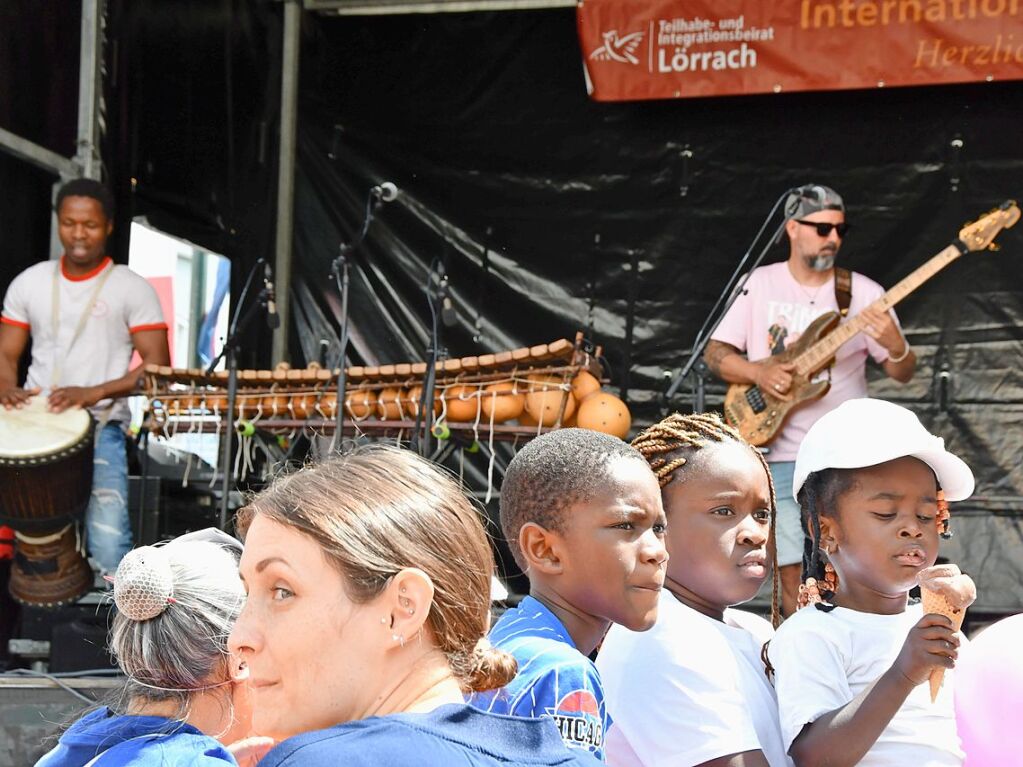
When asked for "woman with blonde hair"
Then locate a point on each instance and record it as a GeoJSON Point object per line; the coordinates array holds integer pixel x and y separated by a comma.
{"type": "Point", "coordinates": [184, 694]}
{"type": "Point", "coordinates": [368, 580]}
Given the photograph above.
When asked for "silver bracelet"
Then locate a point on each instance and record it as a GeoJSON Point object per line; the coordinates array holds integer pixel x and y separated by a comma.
{"type": "Point", "coordinates": [902, 356]}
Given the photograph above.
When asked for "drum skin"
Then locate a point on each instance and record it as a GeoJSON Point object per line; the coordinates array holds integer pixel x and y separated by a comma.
{"type": "Point", "coordinates": [44, 491]}
{"type": "Point", "coordinates": [46, 477]}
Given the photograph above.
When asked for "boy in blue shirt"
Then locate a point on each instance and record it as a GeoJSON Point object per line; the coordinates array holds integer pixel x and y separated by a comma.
{"type": "Point", "coordinates": [582, 514]}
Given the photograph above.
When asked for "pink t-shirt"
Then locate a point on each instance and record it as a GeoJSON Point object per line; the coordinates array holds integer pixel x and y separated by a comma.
{"type": "Point", "coordinates": [773, 313]}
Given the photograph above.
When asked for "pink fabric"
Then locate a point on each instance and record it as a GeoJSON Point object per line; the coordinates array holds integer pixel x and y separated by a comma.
{"type": "Point", "coordinates": [773, 313]}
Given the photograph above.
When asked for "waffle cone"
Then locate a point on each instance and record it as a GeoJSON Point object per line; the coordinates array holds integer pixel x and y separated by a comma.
{"type": "Point", "coordinates": [936, 603]}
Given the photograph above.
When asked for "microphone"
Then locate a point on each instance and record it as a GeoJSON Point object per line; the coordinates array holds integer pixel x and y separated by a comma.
{"type": "Point", "coordinates": [273, 320]}
{"type": "Point", "coordinates": [385, 192]}
{"type": "Point", "coordinates": [447, 310]}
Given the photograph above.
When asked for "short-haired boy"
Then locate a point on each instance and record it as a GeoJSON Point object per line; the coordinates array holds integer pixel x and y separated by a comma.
{"type": "Point", "coordinates": [582, 514]}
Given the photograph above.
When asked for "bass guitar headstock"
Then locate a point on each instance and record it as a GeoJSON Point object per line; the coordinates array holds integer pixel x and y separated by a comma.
{"type": "Point", "coordinates": [980, 234]}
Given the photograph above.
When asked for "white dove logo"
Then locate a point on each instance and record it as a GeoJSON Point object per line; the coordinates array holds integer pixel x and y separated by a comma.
{"type": "Point", "coordinates": [617, 48]}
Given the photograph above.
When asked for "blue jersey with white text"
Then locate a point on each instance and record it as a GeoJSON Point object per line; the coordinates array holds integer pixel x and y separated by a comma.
{"type": "Point", "coordinates": [554, 679]}
{"type": "Point", "coordinates": [453, 734]}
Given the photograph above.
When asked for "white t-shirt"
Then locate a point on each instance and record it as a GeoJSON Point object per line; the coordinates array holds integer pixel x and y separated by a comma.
{"type": "Point", "coordinates": [824, 660]}
{"type": "Point", "coordinates": [126, 304]}
{"type": "Point", "coordinates": [771, 316]}
{"type": "Point", "coordinates": [689, 690]}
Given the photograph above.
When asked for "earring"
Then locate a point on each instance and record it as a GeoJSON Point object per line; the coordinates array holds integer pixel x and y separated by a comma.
{"type": "Point", "coordinates": [399, 638]}
{"type": "Point", "coordinates": [383, 621]}
{"type": "Point", "coordinates": [942, 518]}
{"type": "Point", "coordinates": [411, 611]}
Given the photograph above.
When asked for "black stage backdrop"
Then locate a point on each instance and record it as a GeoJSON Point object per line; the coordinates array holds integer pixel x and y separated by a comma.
{"type": "Point", "coordinates": [39, 42]}
{"type": "Point", "coordinates": [553, 213]}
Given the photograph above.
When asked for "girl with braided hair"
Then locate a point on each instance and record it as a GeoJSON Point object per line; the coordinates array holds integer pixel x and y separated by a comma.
{"type": "Point", "coordinates": [873, 485]}
{"type": "Point", "coordinates": [693, 690]}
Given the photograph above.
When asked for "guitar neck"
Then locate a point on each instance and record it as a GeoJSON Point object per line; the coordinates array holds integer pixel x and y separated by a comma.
{"type": "Point", "coordinates": [814, 358]}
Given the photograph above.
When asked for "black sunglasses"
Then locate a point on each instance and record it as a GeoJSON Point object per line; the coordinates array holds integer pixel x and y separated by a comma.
{"type": "Point", "coordinates": [824, 228]}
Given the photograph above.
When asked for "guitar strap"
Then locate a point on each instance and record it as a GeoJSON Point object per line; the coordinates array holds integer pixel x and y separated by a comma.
{"type": "Point", "coordinates": [843, 289]}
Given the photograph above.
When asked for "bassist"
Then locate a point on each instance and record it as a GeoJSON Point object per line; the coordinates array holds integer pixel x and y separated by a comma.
{"type": "Point", "coordinates": [779, 302]}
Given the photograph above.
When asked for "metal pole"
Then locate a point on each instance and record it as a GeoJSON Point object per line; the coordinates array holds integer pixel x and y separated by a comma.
{"type": "Point", "coordinates": [89, 78]}
{"type": "Point", "coordinates": [342, 372]}
{"type": "Point", "coordinates": [86, 161]}
{"type": "Point", "coordinates": [226, 440]}
{"type": "Point", "coordinates": [286, 174]}
{"type": "Point", "coordinates": [39, 156]}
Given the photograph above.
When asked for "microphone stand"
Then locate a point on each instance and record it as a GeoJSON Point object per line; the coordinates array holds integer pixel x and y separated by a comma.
{"type": "Point", "coordinates": [339, 270]}
{"type": "Point", "coordinates": [424, 417]}
{"type": "Point", "coordinates": [732, 290]}
{"type": "Point", "coordinates": [229, 353]}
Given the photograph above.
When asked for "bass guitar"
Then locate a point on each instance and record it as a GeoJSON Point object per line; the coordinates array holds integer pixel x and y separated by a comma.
{"type": "Point", "coordinates": [758, 415]}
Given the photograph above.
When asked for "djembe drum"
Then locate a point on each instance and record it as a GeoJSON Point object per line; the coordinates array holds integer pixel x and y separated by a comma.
{"type": "Point", "coordinates": [46, 481]}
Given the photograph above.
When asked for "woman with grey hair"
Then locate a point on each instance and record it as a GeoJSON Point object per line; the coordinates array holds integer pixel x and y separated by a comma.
{"type": "Point", "coordinates": [185, 694]}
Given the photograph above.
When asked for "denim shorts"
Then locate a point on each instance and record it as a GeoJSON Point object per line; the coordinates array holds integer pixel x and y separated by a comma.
{"type": "Point", "coordinates": [788, 528]}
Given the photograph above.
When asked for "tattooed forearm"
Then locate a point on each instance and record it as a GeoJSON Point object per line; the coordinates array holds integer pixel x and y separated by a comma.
{"type": "Point", "coordinates": [715, 352]}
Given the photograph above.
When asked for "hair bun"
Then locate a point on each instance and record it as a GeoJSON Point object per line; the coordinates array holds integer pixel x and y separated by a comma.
{"type": "Point", "coordinates": [490, 668]}
{"type": "Point", "coordinates": [144, 583]}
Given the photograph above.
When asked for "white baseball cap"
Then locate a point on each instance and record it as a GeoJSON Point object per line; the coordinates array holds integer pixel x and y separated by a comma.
{"type": "Point", "coordinates": [867, 432]}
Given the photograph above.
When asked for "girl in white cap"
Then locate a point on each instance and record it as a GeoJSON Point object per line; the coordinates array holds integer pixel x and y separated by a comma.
{"type": "Point", "coordinates": [873, 486]}
{"type": "Point", "coordinates": [176, 604]}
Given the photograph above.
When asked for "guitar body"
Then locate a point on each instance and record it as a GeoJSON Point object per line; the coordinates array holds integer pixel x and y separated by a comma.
{"type": "Point", "coordinates": [759, 414]}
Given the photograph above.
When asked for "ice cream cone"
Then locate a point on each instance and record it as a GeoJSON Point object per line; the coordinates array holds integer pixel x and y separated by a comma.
{"type": "Point", "coordinates": [937, 603]}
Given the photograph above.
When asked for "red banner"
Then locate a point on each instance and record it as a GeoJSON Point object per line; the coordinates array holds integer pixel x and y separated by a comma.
{"type": "Point", "coordinates": [664, 49]}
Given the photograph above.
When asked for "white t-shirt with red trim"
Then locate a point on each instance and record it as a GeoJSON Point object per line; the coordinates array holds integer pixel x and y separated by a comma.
{"type": "Point", "coordinates": [126, 304]}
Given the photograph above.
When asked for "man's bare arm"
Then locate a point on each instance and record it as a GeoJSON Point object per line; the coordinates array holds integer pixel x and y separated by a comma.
{"type": "Point", "coordinates": [901, 371]}
{"type": "Point", "coordinates": [715, 353]}
{"type": "Point", "coordinates": [728, 364]}
{"type": "Point", "coordinates": [13, 340]}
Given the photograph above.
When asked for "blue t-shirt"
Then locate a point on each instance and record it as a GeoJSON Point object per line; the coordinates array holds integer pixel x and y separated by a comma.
{"type": "Point", "coordinates": [454, 734]}
{"type": "Point", "coordinates": [135, 741]}
{"type": "Point", "coordinates": [554, 680]}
